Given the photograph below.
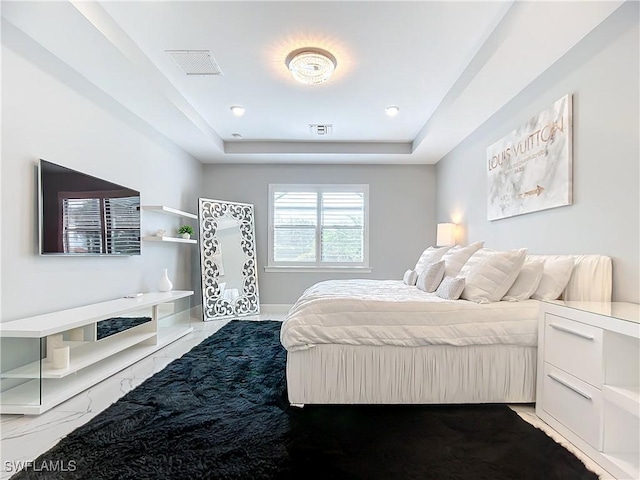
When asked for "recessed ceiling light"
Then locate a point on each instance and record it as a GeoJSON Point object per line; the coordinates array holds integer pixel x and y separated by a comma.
{"type": "Point", "coordinates": [311, 66]}
{"type": "Point", "coordinates": [392, 110]}
{"type": "Point", "coordinates": [237, 110]}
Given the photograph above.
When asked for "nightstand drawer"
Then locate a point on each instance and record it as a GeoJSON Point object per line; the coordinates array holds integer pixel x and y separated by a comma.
{"type": "Point", "coordinates": [574, 403]}
{"type": "Point", "coordinates": [574, 347]}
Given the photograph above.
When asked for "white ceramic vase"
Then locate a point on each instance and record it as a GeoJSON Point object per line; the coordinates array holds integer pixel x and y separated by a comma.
{"type": "Point", "coordinates": [165, 285]}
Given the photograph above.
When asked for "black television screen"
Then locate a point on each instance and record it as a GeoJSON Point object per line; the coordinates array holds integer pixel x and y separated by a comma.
{"type": "Point", "coordinates": [84, 215]}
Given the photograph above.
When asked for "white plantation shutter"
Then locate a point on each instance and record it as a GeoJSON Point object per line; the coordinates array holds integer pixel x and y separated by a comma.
{"type": "Point", "coordinates": [342, 235]}
{"type": "Point", "coordinates": [294, 226]}
{"type": "Point", "coordinates": [318, 225]}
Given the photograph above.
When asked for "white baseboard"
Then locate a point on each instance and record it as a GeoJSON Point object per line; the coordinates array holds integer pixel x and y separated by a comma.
{"type": "Point", "coordinates": [275, 308]}
{"type": "Point", "coordinates": [196, 313]}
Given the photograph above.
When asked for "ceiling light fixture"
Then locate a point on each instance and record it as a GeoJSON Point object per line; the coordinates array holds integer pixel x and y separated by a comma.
{"type": "Point", "coordinates": [311, 66]}
{"type": "Point", "coordinates": [237, 110]}
{"type": "Point", "coordinates": [392, 111]}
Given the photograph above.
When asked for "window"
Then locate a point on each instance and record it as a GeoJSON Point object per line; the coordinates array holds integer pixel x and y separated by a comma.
{"type": "Point", "coordinates": [318, 226]}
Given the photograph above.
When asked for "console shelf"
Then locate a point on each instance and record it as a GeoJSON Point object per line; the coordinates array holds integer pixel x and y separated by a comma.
{"type": "Point", "coordinates": [30, 384]}
{"type": "Point", "coordinates": [83, 355]}
{"type": "Point", "coordinates": [627, 398]}
{"type": "Point", "coordinates": [56, 391]}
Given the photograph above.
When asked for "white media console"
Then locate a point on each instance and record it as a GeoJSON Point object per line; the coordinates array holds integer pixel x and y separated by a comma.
{"type": "Point", "coordinates": [33, 379]}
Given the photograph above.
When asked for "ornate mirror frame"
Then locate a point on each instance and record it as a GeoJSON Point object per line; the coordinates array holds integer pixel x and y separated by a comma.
{"type": "Point", "coordinates": [215, 305]}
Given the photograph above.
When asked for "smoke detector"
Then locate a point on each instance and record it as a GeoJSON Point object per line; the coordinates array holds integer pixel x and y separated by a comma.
{"type": "Point", "coordinates": [321, 129]}
{"type": "Point", "coordinates": [195, 62]}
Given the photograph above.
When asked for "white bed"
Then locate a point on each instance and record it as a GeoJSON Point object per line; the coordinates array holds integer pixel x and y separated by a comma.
{"type": "Point", "coordinates": [374, 341]}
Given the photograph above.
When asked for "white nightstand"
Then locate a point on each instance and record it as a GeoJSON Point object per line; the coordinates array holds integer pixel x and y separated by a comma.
{"type": "Point", "coordinates": [588, 386]}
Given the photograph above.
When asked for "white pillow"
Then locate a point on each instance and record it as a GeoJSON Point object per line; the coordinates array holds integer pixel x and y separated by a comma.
{"type": "Point", "coordinates": [456, 257]}
{"type": "Point", "coordinates": [410, 277]}
{"type": "Point", "coordinates": [430, 277]}
{"type": "Point", "coordinates": [489, 274]}
{"type": "Point", "coordinates": [429, 256]}
{"type": "Point", "coordinates": [450, 288]}
{"type": "Point", "coordinates": [527, 282]}
{"type": "Point", "coordinates": [555, 276]}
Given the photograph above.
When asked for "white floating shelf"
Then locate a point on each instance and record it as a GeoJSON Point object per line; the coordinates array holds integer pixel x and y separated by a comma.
{"type": "Point", "coordinates": [155, 238]}
{"type": "Point", "coordinates": [169, 211]}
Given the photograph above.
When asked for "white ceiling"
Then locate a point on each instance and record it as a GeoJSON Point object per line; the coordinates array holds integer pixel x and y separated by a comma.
{"type": "Point", "coordinates": [448, 65]}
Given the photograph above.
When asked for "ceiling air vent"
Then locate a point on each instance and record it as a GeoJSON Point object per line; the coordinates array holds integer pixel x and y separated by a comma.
{"type": "Point", "coordinates": [321, 129]}
{"type": "Point", "coordinates": [195, 62]}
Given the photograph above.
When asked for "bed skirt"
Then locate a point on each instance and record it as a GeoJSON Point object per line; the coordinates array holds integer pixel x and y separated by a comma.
{"type": "Point", "coordinates": [363, 374]}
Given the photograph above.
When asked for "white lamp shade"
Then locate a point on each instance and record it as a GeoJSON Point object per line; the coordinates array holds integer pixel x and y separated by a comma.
{"type": "Point", "coordinates": [446, 235]}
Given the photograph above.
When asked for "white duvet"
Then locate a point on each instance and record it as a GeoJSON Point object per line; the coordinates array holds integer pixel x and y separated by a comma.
{"type": "Point", "coordinates": [388, 312]}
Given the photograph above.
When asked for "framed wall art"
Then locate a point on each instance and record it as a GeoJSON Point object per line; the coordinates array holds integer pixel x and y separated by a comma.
{"type": "Point", "coordinates": [530, 169]}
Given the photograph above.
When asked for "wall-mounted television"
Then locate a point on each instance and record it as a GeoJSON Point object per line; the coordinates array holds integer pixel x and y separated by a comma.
{"type": "Point", "coordinates": [84, 215]}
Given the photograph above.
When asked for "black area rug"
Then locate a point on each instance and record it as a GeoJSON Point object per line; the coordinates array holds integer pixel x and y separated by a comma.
{"type": "Point", "coordinates": [220, 412]}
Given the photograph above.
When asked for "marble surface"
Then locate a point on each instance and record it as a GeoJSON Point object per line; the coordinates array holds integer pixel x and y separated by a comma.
{"type": "Point", "coordinates": [25, 437]}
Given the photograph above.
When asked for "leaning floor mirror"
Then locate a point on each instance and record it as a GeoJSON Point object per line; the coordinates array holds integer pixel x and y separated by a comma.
{"type": "Point", "coordinates": [227, 259]}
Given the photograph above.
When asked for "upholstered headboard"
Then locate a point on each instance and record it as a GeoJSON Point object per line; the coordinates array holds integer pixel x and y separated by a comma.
{"type": "Point", "coordinates": [591, 280]}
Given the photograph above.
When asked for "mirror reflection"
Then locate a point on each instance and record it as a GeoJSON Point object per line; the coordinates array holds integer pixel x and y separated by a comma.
{"type": "Point", "coordinates": [115, 325]}
{"type": "Point", "coordinates": [228, 259]}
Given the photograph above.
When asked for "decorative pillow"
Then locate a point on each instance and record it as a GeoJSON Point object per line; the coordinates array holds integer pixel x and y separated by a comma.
{"type": "Point", "coordinates": [450, 288]}
{"type": "Point", "coordinates": [456, 257]}
{"type": "Point", "coordinates": [490, 274]}
{"type": "Point", "coordinates": [430, 277]}
{"type": "Point", "coordinates": [555, 276]}
{"type": "Point", "coordinates": [410, 277]}
{"type": "Point", "coordinates": [429, 256]}
{"type": "Point", "coordinates": [527, 281]}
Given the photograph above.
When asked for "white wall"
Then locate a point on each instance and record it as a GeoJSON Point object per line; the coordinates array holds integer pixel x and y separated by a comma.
{"type": "Point", "coordinates": [602, 74]}
{"type": "Point", "coordinates": [401, 215]}
{"type": "Point", "coordinates": [50, 112]}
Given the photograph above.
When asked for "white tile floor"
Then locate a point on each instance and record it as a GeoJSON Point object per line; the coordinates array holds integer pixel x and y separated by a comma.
{"type": "Point", "coordinates": [24, 437]}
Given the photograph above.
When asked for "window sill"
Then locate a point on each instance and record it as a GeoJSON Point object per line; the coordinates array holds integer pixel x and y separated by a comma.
{"type": "Point", "coordinates": [308, 269]}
